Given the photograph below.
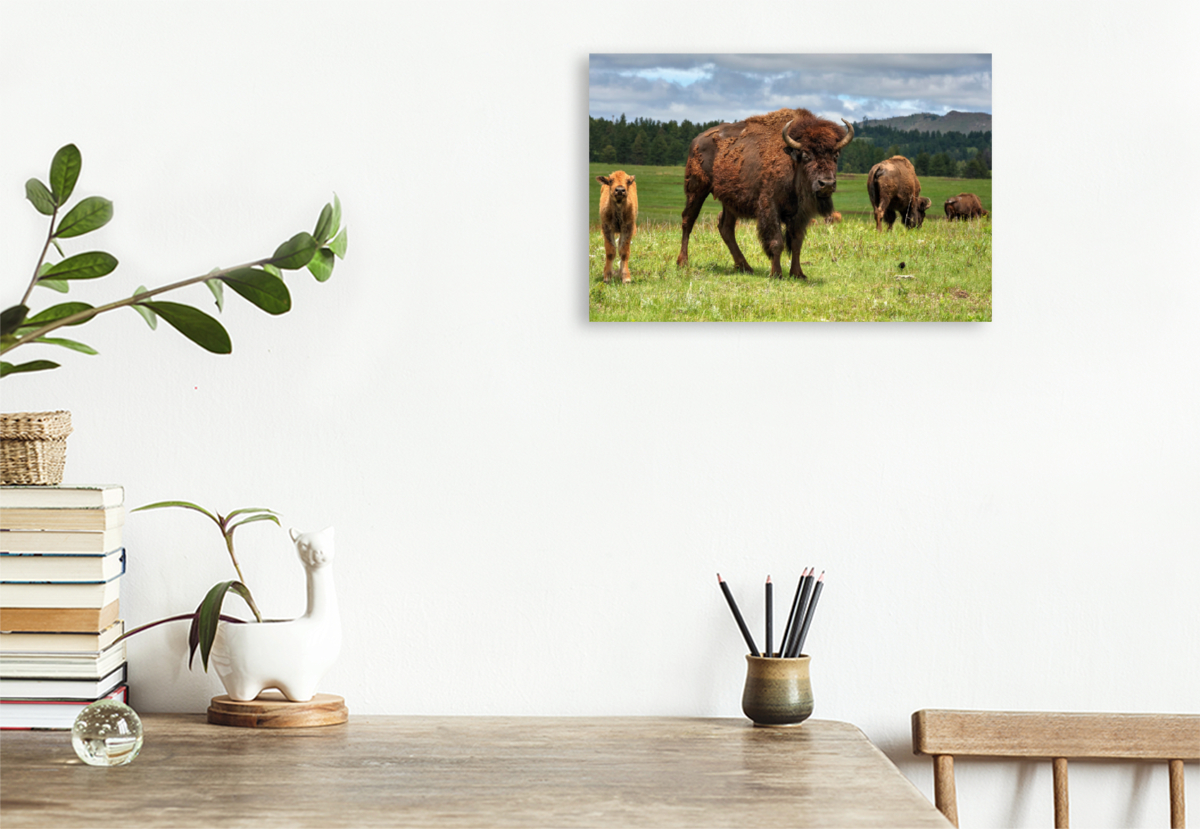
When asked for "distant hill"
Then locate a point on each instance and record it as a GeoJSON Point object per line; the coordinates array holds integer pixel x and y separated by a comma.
{"type": "Point", "coordinates": [952, 121]}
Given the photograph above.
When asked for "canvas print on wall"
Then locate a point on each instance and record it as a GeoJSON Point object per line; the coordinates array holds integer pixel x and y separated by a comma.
{"type": "Point", "coordinates": [790, 187]}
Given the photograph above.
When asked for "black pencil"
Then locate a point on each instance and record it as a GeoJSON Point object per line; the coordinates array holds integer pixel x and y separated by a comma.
{"type": "Point", "coordinates": [808, 616]}
{"type": "Point", "coordinates": [790, 649]}
{"type": "Point", "coordinates": [770, 613]}
{"type": "Point", "coordinates": [792, 621]}
{"type": "Point", "coordinates": [737, 615]}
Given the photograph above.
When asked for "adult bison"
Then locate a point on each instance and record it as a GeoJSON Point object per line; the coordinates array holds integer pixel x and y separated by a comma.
{"type": "Point", "coordinates": [779, 169]}
{"type": "Point", "coordinates": [964, 206]}
{"type": "Point", "coordinates": [894, 188]}
{"type": "Point", "coordinates": [618, 219]}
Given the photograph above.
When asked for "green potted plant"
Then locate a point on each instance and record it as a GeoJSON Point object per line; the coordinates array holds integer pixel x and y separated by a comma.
{"type": "Point", "coordinates": [34, 444]}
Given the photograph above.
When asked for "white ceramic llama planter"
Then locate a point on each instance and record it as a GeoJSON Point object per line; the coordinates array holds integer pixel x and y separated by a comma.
{"type": "Point", "coordinates": [291, 655]}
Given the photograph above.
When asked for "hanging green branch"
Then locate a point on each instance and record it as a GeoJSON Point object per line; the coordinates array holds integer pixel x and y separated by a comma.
{"type": "Point", "coordinates": [259, 281]}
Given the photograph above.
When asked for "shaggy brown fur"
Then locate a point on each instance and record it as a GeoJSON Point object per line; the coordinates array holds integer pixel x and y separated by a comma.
{"type": "Point", "coordinates": [618, 219]}
{"type": "Point", "coordinates": [894, 188]}
{"type": "Point", "coordinates": [964, 206]}
{"type": "Point", "coordinates": [751, 171]}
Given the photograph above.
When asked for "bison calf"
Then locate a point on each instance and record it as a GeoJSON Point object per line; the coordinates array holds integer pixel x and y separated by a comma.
{"type": "Point", "coordinates": [618, 219]}
{"type": "Point", "coordinates": [894, 188]}
{"type": "Point", "coordinates": [964, 206]}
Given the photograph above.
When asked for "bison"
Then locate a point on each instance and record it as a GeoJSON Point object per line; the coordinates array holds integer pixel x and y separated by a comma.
{"type": "Point", "coordinates": [894, 188]}
{"type": "Point", "coordinates": [964, 206]}
{"type": "Point", "coordinates": [779, 169]}
{"type": "Point", "coordinates": [618, 219]}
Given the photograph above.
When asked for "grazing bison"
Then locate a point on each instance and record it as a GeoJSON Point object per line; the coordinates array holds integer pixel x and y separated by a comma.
{"type": "Point", "coordinates": [618, 219]}
{"type": "Point", "coordinates": [964, 206]}
{"type": "Point", "coordinates": [894, 188]}
{"type": "Point", "coordinates": [779, 169]}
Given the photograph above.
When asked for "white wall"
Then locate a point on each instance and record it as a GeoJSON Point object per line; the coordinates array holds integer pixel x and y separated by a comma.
{"type": "Point", "coordinates": [530, 509]}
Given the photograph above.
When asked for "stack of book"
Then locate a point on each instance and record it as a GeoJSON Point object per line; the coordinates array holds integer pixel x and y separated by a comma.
{"type": "Point", "coordinates": [61, 562]}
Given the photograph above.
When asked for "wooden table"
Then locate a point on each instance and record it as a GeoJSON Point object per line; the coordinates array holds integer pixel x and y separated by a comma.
{"type": "Point", "coordinates": [466, 771]}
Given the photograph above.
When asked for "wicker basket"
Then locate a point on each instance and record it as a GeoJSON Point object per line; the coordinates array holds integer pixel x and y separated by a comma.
{"type": "Point", "coordinates": [33, 447]}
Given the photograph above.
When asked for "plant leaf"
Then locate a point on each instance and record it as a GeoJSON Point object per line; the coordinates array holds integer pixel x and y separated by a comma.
{"type": "Point", "coordinates": [89, 265]}
{"type": "Point", "coordinates": [56, 312]}
{"type": "Point", "coordinates": [245, 510]}
{"type": "Point", "coordinates": [325, 227]}
{"type": "Point", "coordinates": [337, 213]}
{"type": "Point", "coordinates": [208, 615]}
{"type": "Point", "coordinates": [65, 343]}
{"type": "Point", "coordinates": [64, 172]}
{"type": "Point", "coordinates": [261, 288]}
{"type": "Point", "coordinates": [271, 269]}
{"type": "Point", "coordinates": [91, 213]}
{"type": "Point", "coordinates": [149, 316]}
{"type": "Point", "coordinates": [39, 195]}
{"type": "Point", "coordinates": [194, 324]}
{"type": "Point", "coordinates": [60, 285]}
{"type": "Point", "coordinates": [218, 291]}
{"type": "Point", "coordinates": [36, 365]}
{"type": "Point", "coordinates": [321, 264]}
{"type": "Point", "coordinates": [338, 245]}
{"type": "Point", "coordinates": [183, 504]}
{"type": "Point", "coordinates": [295, 252]}
{"type": "Point", "coordinates": [251, 520]}
{"type": "Point", "coordinates": [11, 319]}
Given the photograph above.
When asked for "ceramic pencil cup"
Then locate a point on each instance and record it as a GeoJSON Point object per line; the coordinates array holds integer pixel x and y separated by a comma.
{"type": "Point", "coordinates": [778, 691]}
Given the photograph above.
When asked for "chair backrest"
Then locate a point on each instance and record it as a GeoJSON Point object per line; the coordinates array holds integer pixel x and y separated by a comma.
{"type": "Point", "coordinates": [945, 735]}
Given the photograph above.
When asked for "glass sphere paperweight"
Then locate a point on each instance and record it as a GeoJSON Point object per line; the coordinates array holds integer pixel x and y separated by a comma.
{"type": "Point", "coordinates": [107, 733]}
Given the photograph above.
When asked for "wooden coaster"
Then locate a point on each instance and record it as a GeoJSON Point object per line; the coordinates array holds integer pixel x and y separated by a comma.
{"type": "Point", "coordinates": [271, 709]}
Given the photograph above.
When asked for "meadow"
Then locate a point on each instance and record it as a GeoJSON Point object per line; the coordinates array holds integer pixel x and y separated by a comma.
{"type": "Point", "coordinates": [854, 273]}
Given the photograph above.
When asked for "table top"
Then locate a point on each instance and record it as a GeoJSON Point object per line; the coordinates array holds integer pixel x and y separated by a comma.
{"type": "Point", "coordinates": [466, 771]}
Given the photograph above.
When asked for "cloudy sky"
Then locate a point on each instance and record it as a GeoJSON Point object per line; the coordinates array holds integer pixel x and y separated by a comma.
{"type": "Point", "coordinates": [730, 87]}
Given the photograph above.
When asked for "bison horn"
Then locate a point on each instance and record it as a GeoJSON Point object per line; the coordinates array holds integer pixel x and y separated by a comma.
{"type": "Point", "coordinates": [849, 136]}
{"type": "Point", "coordinates": [787, 139]}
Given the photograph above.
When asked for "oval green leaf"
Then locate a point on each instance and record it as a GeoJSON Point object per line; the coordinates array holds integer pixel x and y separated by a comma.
{"type": "Point", "coordinates": [295, 253]}
{"type": "Point", "coordinates": [321, 265]}
{"type": "Point", "coordinates": [12, 318]}
{"type": "Point", "coordinates": [194, 324]}
{"type": "Point", "coordinates": [60, 285]}
{"type": "Point", "coordinates": [57, 312]}
{"type": "Point", "coordinates": [325, 227]}
{"type": "Point", "coordinates": [89, 265]}
{"type": "Point", "coordinates": [65, 343]}
{"type": "Point", "coordinates": [338, 245]}
{"type": "Point", "coordinates": [149, 316]}
{"type": "Point", "coordinates": [261, 288]}
{"type": "Point", "coordinates": [337, 213]}
{"type": "Point", "coordinates": [64, 172]}
{"type": "Point", "coordinates": [91, 213]}
{"type": "Point", "coordinates": [40, 196]}
{"type": "Point", "coordinates": [36, 365]}
{"type": "Point", "coordinates": [218, 292]}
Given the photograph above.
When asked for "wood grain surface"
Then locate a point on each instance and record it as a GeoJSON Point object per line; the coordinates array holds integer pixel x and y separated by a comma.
{"type": "Point", "coordinates": [271, 709]}
{"type": "Point", "coordinates": [466, 771]}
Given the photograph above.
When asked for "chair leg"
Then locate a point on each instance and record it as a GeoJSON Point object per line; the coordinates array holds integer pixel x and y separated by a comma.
{"type": "Point", "coordinates": [1062, 809]}
{"type": "Point", "coordinates": [1178, 821]}
{"type": "Point", "coordinates": [943, 787]}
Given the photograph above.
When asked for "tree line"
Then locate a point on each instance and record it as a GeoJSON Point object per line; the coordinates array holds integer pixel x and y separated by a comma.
{"type": "Point", "coordinates": [644, 141]}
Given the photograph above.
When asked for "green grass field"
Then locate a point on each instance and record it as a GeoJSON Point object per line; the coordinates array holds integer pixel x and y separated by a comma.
{"type": "Point", "coordinates": [854, 273]}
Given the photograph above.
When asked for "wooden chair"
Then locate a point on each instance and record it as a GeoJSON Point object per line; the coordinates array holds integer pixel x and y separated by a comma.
{"type": "Point", "coordinates": [945, 735]}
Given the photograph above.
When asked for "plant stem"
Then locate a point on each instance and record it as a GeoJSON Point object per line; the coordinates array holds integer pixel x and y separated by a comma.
{"type": "Point", "coordinates": [37, 269]}
{"type": "Point", "coordinates": [178, 618]}
{"type": "Point", "coordinates": [133, 300]}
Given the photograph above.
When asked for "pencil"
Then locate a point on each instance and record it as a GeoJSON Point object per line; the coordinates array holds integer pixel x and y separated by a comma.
{"type": "Point", "coordinates": [808, 616]}
{"type": "Point", "coordinates": [789, 647]}
{"type": "Point", "coordinates": [770, 613]}
{"type": "Point", "coordinates": [737, 615]}
{"type": "Point", "coordinates": [791, 622]}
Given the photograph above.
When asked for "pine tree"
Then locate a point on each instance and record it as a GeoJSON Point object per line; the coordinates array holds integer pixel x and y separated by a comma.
{"type": "Point", "coordinates": [921, 163]}
{"type": "Point", "coordinates": [638, 153]}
